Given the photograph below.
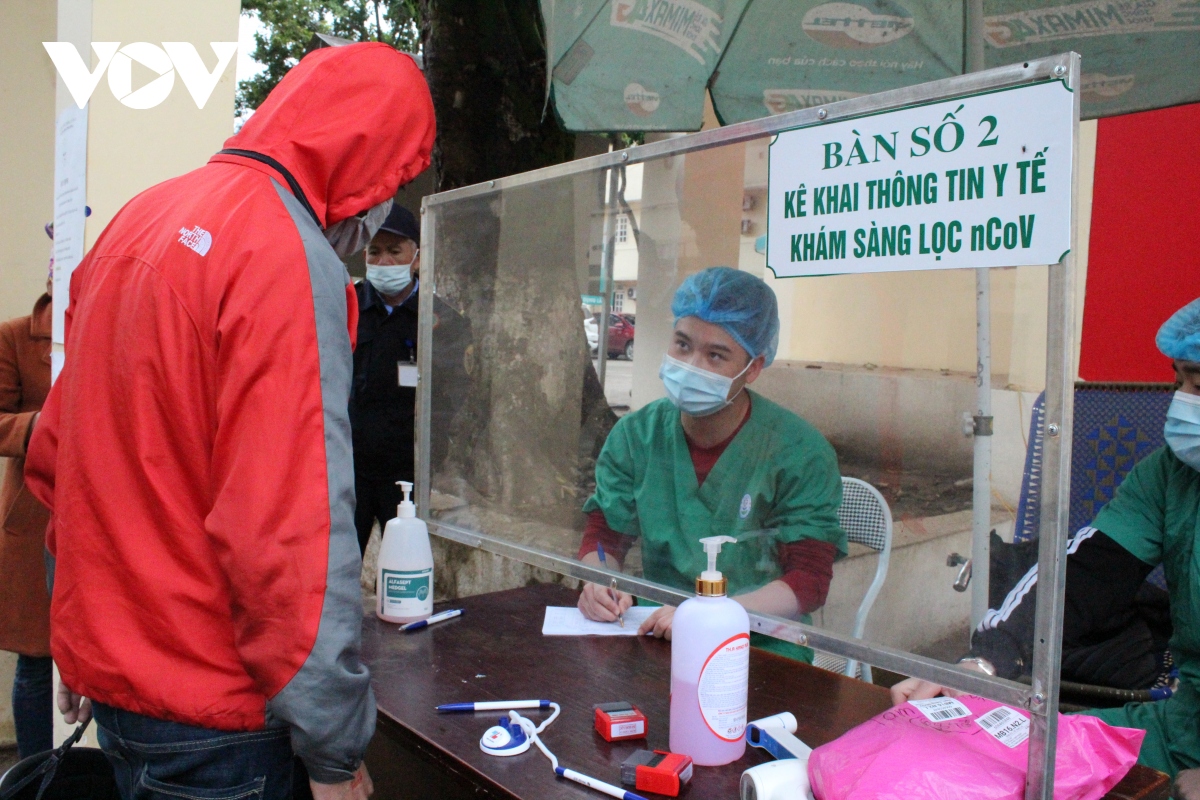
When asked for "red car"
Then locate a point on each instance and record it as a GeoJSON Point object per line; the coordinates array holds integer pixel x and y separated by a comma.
{"type": "Point", "coordinates": [620, 335]}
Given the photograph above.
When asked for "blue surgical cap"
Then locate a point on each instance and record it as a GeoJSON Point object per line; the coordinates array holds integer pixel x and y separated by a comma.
{"type": "Point", "coordinates": [1179, 337]}
{"type": "Point", "coordinates": [737, 301]}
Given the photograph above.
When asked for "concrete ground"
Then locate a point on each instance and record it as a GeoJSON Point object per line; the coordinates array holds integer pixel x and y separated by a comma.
{"type": "Point", "coordinates": [949, 648]}
{"type": "Point", "coordinates": [618, 383]}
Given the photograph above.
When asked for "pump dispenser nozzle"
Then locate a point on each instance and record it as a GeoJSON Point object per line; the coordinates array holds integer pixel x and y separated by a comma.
{"type": "Point", "coordinates": [407, 508]}
{"type": "Point", "coordinates": [711, 582]}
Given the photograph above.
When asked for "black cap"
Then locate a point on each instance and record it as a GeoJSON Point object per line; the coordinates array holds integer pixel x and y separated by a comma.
{"type": "Point", "coordinates": [401, 222]}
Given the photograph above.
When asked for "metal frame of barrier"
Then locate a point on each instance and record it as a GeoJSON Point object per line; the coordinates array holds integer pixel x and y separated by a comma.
{"type": "Point", "coordinates": [1040, 698]}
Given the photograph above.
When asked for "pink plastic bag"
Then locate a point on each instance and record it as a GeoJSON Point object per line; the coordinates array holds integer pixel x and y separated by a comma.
{"type": "Point", "coordinates": [966, 748]}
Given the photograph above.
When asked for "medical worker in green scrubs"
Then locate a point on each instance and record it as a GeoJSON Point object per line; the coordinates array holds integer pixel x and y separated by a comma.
{"type": "Point", "coordinates": [714, 458]}
{"type": "Point", "coordinates": [1153, 519]}
{"type": "Point", "coordinates": [1156, 517]}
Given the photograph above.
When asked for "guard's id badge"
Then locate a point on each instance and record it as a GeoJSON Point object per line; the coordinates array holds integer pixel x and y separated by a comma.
{"type": "Point", "coordinates": [409, 374]}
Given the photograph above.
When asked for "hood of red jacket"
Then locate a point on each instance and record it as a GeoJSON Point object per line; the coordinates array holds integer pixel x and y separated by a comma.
{"type": "Point", "coordinates": [352, 124]}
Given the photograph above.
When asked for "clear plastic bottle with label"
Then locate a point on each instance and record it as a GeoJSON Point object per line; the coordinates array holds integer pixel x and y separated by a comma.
{"type": "Point", "coordinates": [710, 670]}
{"type": "Point", "coordinates": [404, 576]}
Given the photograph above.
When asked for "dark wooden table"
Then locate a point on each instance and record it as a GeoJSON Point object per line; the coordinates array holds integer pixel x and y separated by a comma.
{"type": "Point", "coordinates": [496, 651]}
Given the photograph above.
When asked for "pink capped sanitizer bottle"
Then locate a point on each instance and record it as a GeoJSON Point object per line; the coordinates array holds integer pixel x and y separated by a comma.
{"type": "Point", "coordinates": [710, 669]}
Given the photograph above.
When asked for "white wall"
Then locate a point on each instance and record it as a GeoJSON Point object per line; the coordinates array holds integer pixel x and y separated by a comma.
{"type": "Point", "coordinates": [26, 199]}
{"type": "Point", "coordinates": [27, 154]}
{"type": "Point", "coordinates": [130, 150]}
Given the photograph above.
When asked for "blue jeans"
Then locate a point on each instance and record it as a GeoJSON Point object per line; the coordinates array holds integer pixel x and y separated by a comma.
{"type": "Point", "coordinates": [158, 760]}
{"type": "Point", "coordinates": [33, 704]}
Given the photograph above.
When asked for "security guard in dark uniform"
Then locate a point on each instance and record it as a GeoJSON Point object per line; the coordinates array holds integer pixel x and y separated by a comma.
{"type": "Point", "coordinates": [383, 393]}
{"type": "Point", "coordinates": [382, 410]}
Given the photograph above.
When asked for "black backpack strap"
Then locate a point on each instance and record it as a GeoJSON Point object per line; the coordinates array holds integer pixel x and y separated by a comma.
{"type": "Point", "coordinates": [282, 170]}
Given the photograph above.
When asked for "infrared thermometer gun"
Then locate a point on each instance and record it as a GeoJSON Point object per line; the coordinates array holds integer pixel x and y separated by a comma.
{"type": "Point", "coordinates": [777, 735]}
{"type": "Point", "coordinates": [786, 778]}
{"type": "Point", "coordinates": [777, 780]}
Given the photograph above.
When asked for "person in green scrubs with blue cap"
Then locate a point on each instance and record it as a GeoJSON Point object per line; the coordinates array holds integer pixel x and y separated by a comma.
{"type": "Point", "coordinates": [1153, 519]}
{"type": "Point", "coordinates": [715, 458]}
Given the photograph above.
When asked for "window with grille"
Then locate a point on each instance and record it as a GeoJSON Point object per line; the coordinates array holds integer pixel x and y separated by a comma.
{"type": "Point", "coordinates": [622, 228]}
{"type": "Point", "coordinates": [618, 301]}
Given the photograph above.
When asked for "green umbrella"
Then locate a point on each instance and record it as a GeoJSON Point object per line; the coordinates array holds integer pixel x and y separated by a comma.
{"type": "Point", "coordinates": [635, 64]}
{"type": "Point", "coordinates": [645, 64]}
{"type": "Point", "coordinates": [1136, 55]}
{"type": "Point", "coordinates": [787, 55]}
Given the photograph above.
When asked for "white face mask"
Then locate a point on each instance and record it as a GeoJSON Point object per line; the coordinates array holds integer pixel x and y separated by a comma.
{"type": "Point", "coordinates": [695, 391]}
{"type": "Point", "coordinates": [392, 279]}
{"type": "Point", "coordinates": [1182, 429]}
{"type": "Point", "coordinates": [353, 233]}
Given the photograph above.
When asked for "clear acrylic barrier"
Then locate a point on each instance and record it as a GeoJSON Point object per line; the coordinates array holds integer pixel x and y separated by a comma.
{"type": "Point", "coordinates": [874, 379]}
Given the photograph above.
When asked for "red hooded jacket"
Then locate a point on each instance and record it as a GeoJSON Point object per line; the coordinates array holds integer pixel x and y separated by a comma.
{"type": "Point", "coordinates": [195, 451]}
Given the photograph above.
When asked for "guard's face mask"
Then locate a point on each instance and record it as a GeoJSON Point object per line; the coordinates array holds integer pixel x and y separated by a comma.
{"type": "Point", "coordinates": [696, 391]}
{"type": "Point", "coordinates": [391, 279]}
{"type": "Point", "coordinates": [353, 233]}
{"type": "Point", "coordinates": [1182, 430]}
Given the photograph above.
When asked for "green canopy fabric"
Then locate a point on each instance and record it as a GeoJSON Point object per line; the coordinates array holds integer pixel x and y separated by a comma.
{"type": "Point", "coordinates": [635, 65]}
{"type": "Point", "coordinates": [1136, 55]}
{"type": "Point", "coordinates": [643, 65]}
{"type": "Point", "coordinates": [788, 55]}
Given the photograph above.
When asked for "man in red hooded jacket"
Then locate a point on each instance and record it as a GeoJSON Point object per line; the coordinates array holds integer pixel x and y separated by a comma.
{"type": "Point", "coordinates": [195, 452]}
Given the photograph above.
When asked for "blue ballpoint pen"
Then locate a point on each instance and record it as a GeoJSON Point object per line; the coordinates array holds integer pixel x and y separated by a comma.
{"type": "Point", "coordinates": [612, 586]}
{"type": "Point", "coordinates": [493, 705]}
{"type": "Point", "coordinates": [592, 783]}
{"type": "Point", "coordinates": [441, 616]}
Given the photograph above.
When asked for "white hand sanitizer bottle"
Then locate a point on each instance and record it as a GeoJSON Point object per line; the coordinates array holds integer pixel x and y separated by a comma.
{"type": "Point", "coordinates": [710, 669]}
{"type": "Point", "coordinates": [404, 577]}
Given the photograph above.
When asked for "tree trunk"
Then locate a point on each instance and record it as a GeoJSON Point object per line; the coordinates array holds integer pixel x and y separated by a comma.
{"type": "Point", "coordinates": [523, 444]}
{"type": "Point", "coordinates": [485, 61]}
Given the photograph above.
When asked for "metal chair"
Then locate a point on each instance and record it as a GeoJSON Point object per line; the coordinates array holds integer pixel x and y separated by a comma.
{"type": "Point", "coordinates": [1116, 425]}
{"type": "Point", "coordinates": [867, 520]}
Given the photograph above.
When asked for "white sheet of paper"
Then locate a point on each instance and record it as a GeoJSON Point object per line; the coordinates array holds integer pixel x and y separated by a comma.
{"type": "Point", "coordinates": [569, 621]}
{"type": "Point", "coordinates": [70, 208]}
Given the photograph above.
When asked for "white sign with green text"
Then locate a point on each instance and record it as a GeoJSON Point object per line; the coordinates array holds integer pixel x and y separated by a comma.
{"type": "Point", "coordinates": [977, 181]}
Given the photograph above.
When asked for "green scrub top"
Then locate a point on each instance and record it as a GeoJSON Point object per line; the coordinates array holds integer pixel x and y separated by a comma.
{"type": "Point", "coordinates": [777, 481]}
{"type": "Point", "coordinates": [1155, 515]}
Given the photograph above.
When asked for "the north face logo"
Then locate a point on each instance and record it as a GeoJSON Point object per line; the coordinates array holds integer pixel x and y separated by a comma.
{"type": "Point", "coordinates": [197, 239]}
